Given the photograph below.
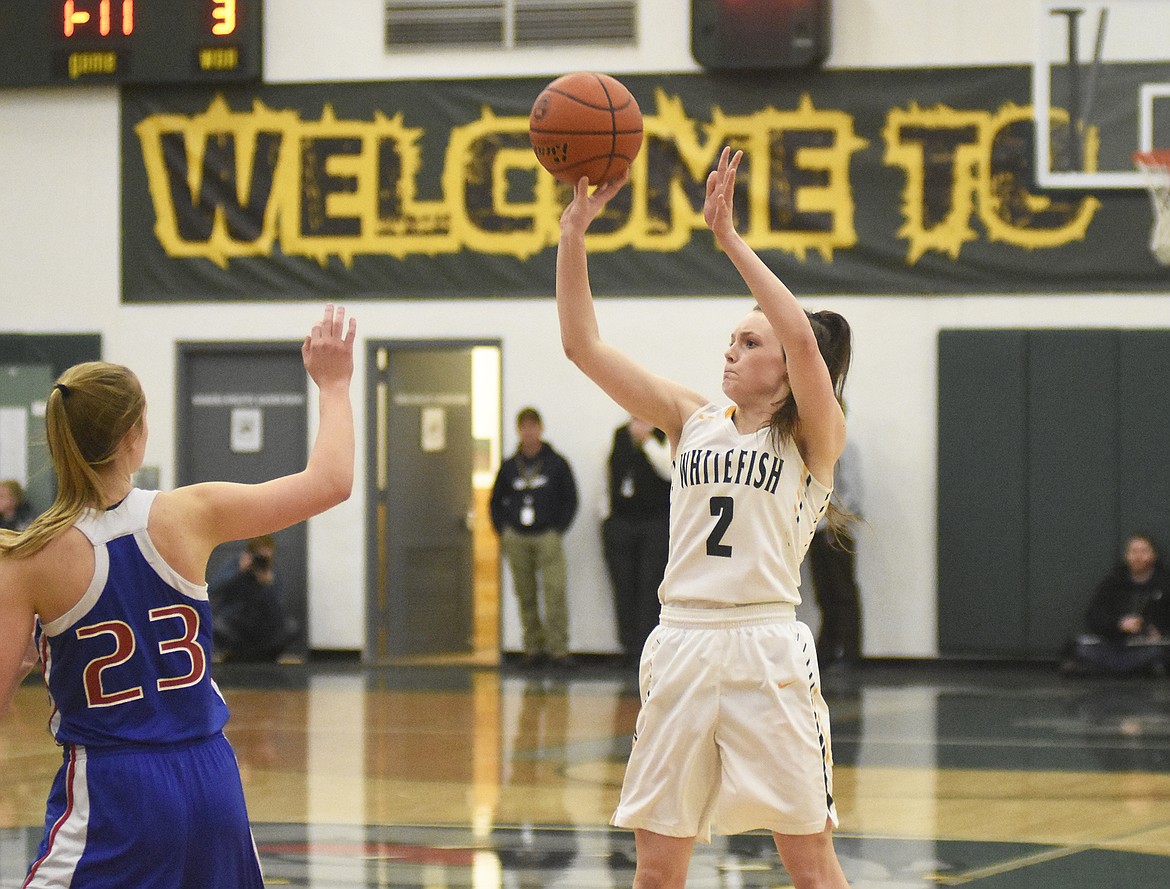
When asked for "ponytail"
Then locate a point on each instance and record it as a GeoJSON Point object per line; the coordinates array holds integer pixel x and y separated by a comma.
{"type": "Point", "coordinates": [89, 411]}
{"type": "Point", "coordinates": [835, 342]}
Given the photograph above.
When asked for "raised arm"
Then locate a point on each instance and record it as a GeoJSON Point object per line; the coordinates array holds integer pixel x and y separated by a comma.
{"type": "Point", "coordinates": [660, 401]}
{"type": "Point", "coordinates": [821, 429]}
{"type": "Point", "coordinates": [211, 513]}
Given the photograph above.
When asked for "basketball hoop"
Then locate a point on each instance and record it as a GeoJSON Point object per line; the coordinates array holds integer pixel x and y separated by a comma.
{"type": "Point", "coordinates": [1156, 167]}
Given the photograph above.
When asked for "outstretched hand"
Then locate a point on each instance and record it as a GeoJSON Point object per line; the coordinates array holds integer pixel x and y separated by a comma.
{"type": "Point", "coordinates": [328, 349]}
{"type": "Point", "coordinates": [585, 207]}
{"type": "Point", "coordinates": [717, 208]}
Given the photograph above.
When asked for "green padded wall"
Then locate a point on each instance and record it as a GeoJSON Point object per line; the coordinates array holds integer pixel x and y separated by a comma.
{"type": "Point", "coordinates": [1072, 477]}
{"type": "Point", "coordinates": [982, 471]}
{"type": "Point", "coordinates": [1053, 446]}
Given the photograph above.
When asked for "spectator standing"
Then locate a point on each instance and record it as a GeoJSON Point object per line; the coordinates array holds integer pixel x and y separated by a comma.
{"type": "Point", "coordinates": [636, 532]}
{"type": "Point", "coordinates": [534, 501]}
{"type": "Point", "coordinates": [832, 563]}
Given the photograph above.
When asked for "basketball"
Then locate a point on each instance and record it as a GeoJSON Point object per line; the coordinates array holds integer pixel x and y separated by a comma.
{"type": "Point", "coordinates": [585, 124]}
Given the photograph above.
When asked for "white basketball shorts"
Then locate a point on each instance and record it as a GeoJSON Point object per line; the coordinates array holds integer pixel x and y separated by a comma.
{"type": "Point", "coordinates": [733, 734]}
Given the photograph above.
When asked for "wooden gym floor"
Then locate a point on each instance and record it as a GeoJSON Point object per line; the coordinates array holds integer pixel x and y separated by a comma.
{"type": "Point", "coordinates": [427, 777]}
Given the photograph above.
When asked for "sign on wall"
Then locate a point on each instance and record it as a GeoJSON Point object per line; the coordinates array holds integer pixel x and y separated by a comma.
{"type": "Point", "coordinates": [861, 182]}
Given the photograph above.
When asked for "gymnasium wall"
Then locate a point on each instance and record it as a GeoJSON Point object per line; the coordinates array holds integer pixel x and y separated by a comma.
{"type": "Point", "coordinates": [59, 273]}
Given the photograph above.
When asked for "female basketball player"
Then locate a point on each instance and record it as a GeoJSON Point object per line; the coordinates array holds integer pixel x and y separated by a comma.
{"type": "Point", "coordinates": [112, 578]}
{"type": "Point", "coordinates": [733, 734]}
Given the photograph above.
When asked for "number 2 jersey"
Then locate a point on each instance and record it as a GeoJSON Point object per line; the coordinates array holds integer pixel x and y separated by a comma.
{"type": "Point", "coordinates": [742, 515]}
{"type": "Point", "coordinates": [129, 663]}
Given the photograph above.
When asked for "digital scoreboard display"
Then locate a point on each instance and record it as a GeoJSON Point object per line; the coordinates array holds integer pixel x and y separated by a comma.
{"type": "Point", "coordinates": [47, 42]}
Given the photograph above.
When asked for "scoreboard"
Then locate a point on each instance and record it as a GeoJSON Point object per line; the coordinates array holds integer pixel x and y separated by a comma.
{"type": "Point", "coordinates": [47, 42]}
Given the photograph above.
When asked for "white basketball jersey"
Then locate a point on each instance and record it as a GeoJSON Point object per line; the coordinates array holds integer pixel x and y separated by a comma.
{"type": "Point", "coordinates": [741, 515]}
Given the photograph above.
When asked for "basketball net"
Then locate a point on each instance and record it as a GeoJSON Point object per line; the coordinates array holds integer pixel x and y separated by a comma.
{"type": "Point", "coordinates": [1156, 167]}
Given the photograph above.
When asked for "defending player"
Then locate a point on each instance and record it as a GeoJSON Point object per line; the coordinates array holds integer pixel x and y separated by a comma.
{"type": "Point", "coordinates": [112, 578]}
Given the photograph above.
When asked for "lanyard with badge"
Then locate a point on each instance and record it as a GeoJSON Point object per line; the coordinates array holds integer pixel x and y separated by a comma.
{"type": "Point", "coordinates": [627, 486]}
{"type": "Point", "coordinates": [528, 473]}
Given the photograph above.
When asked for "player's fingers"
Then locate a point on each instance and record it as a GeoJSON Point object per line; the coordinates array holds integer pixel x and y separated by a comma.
{"type": "Point", "coordinates": [712, 181]}
{"type": "Point", "coordinates": [728, 183]}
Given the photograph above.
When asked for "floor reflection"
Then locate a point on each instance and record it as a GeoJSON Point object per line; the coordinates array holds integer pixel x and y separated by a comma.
{"type": "Point", "coordinates": [988, 776]}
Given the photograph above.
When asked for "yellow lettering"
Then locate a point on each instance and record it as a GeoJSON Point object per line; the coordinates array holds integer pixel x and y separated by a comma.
{"type": "Point", "coordinates": [939, 146]}
{"type": "Point", "coordinates": [226, 58]}
{"type": "Point", "coordinates": [1013, 214]}
{"type": "Point", "coordinates": [799, 194]}
{"type": "Point", "coordinates": [947, 156]}
{"type": "Point", "coordinates": [87, 64]}
{"type": "Point", "coordinates": [198, 131]}
{"type": "Point", "coordinates": [346, 188]}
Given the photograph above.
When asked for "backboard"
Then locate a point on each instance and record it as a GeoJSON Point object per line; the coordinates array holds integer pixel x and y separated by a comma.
{"type": "Point", "coordinates": [1100, 90]}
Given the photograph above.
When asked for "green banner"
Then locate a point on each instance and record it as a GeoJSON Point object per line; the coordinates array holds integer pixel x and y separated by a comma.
{"type": "Point", "coordinates": [892, 182]}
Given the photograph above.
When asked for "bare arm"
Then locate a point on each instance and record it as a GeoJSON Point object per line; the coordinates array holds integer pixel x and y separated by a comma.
{"type": "Point", "coordinates": [193, 520]}
{"type": "Point", "coordinates": [821, 433]}
{"type": "Point", "coordinates": [659, 401]}
{"type": "Point", "coordinates": [18, 654]}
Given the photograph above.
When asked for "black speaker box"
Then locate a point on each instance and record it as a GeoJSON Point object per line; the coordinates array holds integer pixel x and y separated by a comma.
{"type": "Point", "coordinates": [759, 34]}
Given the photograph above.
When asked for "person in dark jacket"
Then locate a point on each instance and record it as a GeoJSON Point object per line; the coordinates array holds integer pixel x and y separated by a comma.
{"type": "Point", "coordinates": [1128, 618]}
{"type": "Point", "coordinates": [534, 500]}
{"type": "Point", "coordinates": [635, 534]}
{"type": "Point", "coordinates": [832, 563]}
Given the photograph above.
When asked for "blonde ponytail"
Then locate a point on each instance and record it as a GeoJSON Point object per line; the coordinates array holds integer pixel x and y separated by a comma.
{"type": "Point", "coordinates": [89, 411]}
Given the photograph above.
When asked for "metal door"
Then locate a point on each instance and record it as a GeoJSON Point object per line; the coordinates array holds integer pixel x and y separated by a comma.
{"type": "Point", "coordinates": [242, 417]}
{"type": "Point", "coordinates": [24, 452]}
{"type": "Point", "coordinates": [420, 549]}
{"type": "Point", "coordinates": [28, 365]}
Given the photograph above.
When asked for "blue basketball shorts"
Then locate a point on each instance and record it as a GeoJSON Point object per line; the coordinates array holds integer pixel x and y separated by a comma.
{"type": "Point", "coordinates": [166, 817]}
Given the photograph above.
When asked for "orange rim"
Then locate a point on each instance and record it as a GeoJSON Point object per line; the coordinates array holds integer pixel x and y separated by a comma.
{"type": "Point", "coordinates": [1159, 157]}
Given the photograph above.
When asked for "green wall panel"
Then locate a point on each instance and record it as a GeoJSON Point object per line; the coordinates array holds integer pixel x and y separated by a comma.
{"type": "Point", "coordinates": [1053, 445]}
{"type": "Point", "coordinates": [981, 492]}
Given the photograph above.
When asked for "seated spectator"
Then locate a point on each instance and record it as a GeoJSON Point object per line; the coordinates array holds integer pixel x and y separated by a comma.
{"type": "Point", "coordinates": [249, 622]}
{"type": "Point", "coordinates": [1128, 618]}
{"type": "Point", "coordinates": [16, 512]}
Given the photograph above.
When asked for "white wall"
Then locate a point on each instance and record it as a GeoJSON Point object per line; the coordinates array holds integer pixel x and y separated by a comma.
{"type": "Point", "coordinates": [307, 40]}
{"type": "Point", "coordinates": [59, 272]}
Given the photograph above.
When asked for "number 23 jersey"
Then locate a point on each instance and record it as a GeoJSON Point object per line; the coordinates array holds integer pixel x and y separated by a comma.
{"type": "Point", "coordinates": [742, 515]}
{"type": "Point", "coordinates": [130, 662]}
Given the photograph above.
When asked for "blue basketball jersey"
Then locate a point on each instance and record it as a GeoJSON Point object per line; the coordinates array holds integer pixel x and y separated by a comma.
{"type": "Point", "coordinates": [130, 662]}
